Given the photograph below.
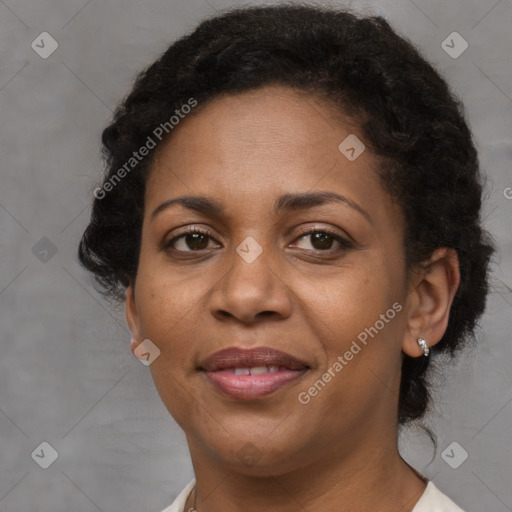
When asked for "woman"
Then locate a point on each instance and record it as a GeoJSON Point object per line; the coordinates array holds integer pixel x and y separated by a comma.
{"type": "Point", "coordinates": [291, 210]}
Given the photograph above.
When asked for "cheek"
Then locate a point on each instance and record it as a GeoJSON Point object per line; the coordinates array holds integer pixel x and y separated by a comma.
{"type": "Point", "coordinates": [350, 301]}
{"type": "Point", "coordinates": [169, 309]}
{"type": "Point", "coordinates": [358, 316]}
{"type": "Point", "coordinates": [168, 303]}
{"type": "Point", "coordinates": [359, 373]}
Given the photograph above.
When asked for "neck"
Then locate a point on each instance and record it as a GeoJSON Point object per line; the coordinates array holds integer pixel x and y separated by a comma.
{"type": "Point", "coordinates": [355, 480]}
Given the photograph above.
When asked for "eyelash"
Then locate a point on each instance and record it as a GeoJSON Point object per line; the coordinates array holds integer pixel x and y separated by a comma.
{"type": "Point", "coordinates": [345, 244]}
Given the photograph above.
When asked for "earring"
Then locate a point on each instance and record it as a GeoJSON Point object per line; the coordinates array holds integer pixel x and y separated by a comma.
{"type": "Point", "coordinates": [423, 344]}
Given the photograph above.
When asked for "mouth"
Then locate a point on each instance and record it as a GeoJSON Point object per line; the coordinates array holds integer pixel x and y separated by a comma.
{"type": "Point", "coordinates": [251, 373]}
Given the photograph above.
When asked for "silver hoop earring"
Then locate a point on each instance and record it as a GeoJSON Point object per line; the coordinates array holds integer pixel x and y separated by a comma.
{"type": "Point", "coordinates": [423, 344]}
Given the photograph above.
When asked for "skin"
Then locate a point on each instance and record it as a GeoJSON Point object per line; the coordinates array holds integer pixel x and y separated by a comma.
{"type": "Point", "coordinates": [339, 451]}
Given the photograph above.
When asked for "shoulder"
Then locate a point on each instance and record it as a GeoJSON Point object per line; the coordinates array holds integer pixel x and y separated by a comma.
{"type": "Point", "coordinates": [433, 500]}
{"type": "Point", "coordinates": [178, 504]}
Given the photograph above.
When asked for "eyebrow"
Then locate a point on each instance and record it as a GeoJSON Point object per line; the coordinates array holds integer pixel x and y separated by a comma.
{"type": "Point", "coordinates": [286, 202]}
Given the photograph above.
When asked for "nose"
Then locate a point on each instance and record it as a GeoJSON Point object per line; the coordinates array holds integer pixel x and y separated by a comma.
{"type": "Point", "coordinates": [251, 290]}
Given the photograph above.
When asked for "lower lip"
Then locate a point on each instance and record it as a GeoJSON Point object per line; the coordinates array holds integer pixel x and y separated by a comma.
{"type": "Point", "coordinates": [246, 387]}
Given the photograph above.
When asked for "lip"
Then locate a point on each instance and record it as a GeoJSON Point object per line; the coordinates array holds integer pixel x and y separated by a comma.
{"type": "Point", "coordinates": [219, 371]}
{"type": "Point", "coordinates": [234, 357]}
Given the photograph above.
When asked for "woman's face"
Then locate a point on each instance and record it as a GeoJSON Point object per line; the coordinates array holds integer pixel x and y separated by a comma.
{"type": "Point", "coordinates": [257, 277]}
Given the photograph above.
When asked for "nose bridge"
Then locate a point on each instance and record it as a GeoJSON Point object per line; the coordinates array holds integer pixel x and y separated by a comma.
{"type": "Point", "coordinates": [252, 284]}
{"type": "Point", "coordinates": [251, 271]}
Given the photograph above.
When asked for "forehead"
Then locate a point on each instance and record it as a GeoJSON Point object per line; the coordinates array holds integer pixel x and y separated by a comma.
{"type": "Point", "coordinates": [259, 144]}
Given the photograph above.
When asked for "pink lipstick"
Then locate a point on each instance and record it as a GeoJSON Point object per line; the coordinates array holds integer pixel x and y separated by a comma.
{"type": "Point", "coordinates": [251, 373]}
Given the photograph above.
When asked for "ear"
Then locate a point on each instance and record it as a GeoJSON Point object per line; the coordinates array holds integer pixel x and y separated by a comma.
{"type": "Point", "coordinates": [132, 318]}
{"type": "Point", "coordinates": [430, 300]}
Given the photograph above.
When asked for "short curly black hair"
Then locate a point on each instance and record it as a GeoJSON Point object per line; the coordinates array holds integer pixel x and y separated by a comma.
{"type": "Point", "coordinates": [408, 116]}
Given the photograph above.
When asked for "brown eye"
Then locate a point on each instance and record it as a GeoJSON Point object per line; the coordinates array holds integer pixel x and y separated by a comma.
{"type": "Point", "coordinates": [324, 240]}
{"type": "Point", "coordinates": [196, 241]}
{"type": "Point", "coordinates": [193, 240]}
{"type": "Point", "coordinates": [321, 240]}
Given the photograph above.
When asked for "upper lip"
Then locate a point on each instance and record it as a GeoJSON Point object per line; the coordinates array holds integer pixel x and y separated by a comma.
{"type": "Point", "coordinates": [234, 357]}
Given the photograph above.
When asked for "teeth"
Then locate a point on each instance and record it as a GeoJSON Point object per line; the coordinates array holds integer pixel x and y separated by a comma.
{"type": "Point", "coordinates": [255, 370]}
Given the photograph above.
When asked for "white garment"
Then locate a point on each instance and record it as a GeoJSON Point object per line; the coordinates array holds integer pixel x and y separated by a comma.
{"type": "Point", "coordinates": [432, 500]}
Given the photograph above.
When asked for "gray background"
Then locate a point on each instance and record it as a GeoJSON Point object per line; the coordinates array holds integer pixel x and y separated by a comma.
{"type": "Point", "coordinates": [67, 375]}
